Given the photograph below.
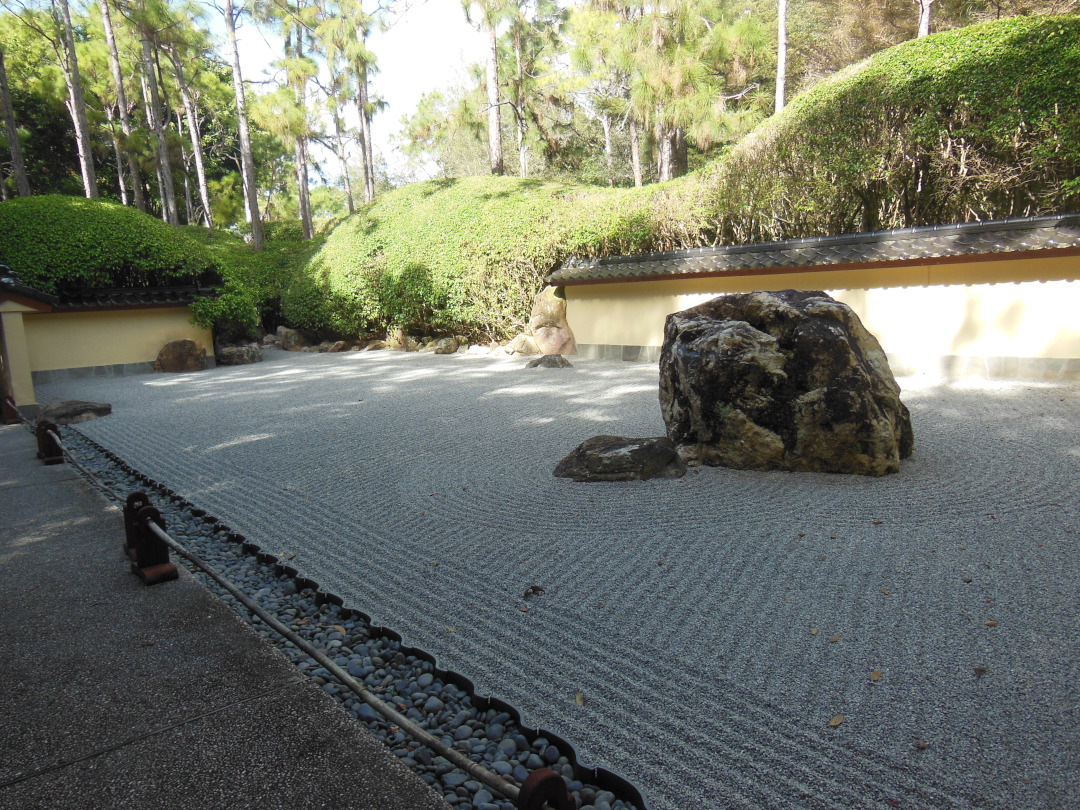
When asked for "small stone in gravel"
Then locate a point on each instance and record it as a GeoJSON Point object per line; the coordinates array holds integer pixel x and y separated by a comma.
{"type": "Point", "coordinates": [454, 779]}
{"type": "Point", "coordinates": [433, 705]}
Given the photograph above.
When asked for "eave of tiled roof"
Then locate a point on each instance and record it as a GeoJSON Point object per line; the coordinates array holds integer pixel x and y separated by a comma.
{"type": "Point", "coordinates": [130, 298]}
{"type": "Point", "coordinates": [12, 288]}
{"type": "Point", "coordinates": [908, 246]}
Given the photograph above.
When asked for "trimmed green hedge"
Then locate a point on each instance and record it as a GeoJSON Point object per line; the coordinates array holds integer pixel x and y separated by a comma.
{"type": "Point", "coordinates": [467, 255]}
{"type": "Point", "coordinates": [54, 243]}
{"type": "Point", "coordinates": [975, 123]}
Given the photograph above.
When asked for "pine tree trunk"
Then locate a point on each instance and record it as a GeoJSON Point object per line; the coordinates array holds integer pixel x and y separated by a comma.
{"type": "Point", "coordinates": [495, 145]}
{"type": "Point", "coordinates": [300, 149]}
{"type": "Point", "coordinates": [519, 108]}
{"type": "Point", "coordinates": [339, 151]}
{"type": "Point", "coordinates": [365, 136]}
{"type": "Point", "coordinates": [608, 156]}
{"type": "Point", "coordinates": [189, 205]}
{"type": "Point", "coordinates": [196, 139]}
{"type": "Point", "coordinates": [924, 17]}
{"type": "Point", "coordinates": [122, 106]}
{"type": "Point", "coordinates": [781, 54]}
{"type": "Point", "coordinates": [157, 126]}
{"type": "Point", "coordinates": [680, 158]}
{"type": "Point", "coordinates": [118, 152]}
{"type": "Point", "coordinates": [18, 166]}
{"type": "Point", "coordinates": [246, 158]}
{"type": "Point", "coordinates": [635, 153]}
{"type": "Point", "coordinates": [148, 114]}
{"type": "Point", "coordinates": [77, 105]}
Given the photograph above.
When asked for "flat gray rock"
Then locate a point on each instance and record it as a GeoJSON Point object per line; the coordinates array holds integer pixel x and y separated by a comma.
{"type": "Point", "coordinates": [550, 361]}
{"type": "Point", "coordinates": [617, 458]}
{"type": "Point", "coordinates": [73, 412]}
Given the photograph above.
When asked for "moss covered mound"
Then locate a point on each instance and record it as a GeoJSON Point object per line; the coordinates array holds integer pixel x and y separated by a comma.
{"type": "Point", "coordinates": [57, 243]}
{"type": "Point", "coordinates": [467, 255]}
{"type": "Point", "coordinates": [976, 123]}
{"type": "Point", "coordinates": [981, 122]}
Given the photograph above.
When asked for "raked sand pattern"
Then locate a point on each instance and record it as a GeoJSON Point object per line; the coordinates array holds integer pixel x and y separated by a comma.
{"type": "Point", "coordinates": [714, 625]}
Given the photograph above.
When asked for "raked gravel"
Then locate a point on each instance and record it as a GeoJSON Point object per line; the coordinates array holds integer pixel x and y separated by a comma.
{"type": "Point", "coordinates": [714, 625]}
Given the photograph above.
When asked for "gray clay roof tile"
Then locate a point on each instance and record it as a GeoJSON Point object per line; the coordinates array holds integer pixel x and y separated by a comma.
{"type": "Point", "coordinates": [885, 247]}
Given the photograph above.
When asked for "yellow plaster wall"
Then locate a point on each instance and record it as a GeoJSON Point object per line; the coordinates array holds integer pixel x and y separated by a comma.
{"type": "Point", "coordinates": [16, 373]}
{"type": "Point", "coordinates": [81, 339]}
{"type": "Point", "coordinates": [1016, 308]}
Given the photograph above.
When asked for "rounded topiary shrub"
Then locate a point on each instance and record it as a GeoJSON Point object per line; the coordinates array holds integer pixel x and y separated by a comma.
{"type": "Point", "coordinates": [56, 243]}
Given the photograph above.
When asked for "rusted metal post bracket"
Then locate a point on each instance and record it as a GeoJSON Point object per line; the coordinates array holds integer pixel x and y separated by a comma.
{"type": "Point", "coordinates": [49, 449]}
{"type": "Point", "coordinates": [151, 561]}
{"type": "Point", "coordinates": [544, 786]}
{"type": "Point", "coordinates": [11, 412]}
{"type": "Point", "coordinates": [135, 501]}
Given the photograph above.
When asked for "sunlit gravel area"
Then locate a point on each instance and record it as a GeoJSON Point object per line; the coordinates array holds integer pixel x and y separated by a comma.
{"type": "Point", "coordinates": [714, 625]}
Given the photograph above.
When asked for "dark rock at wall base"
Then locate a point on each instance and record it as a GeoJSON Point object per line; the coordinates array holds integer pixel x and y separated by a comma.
{"type": "Point", "coordinates": [781, 381]}
{"type": "Point", "coordinates": [181, 355]}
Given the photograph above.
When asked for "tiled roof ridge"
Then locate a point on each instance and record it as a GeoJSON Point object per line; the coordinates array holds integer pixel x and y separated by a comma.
{"type": "Point", "coordinates": [129, 296]}
{"type": "Point", "coordinates": [1012, 227]}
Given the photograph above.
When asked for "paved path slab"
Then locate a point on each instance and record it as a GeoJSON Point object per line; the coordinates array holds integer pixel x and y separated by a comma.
{"type": "Point", "coordinates": [115, 695]}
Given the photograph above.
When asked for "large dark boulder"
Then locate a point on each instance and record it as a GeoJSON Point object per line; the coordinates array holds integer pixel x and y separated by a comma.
{"type": "Point", "coordinates": [180, 355]}
{"type": "Point", "coordinates": [781, 381]}
{"type": "Point", "coordinates": [616, 458]}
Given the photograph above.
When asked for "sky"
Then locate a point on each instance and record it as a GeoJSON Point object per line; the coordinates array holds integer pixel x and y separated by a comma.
{"type": "Point", "coordinates": [427, 47]}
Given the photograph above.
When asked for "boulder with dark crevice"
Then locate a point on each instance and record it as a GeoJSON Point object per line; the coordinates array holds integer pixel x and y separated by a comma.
{"type": "Point", "coordinates": [617, 458]}
{"type": "Point", "coordinates": [781, 381]}
{"type": "Point", "coordinates": [548, 325]}
{"type": "Point", "coordinates": [549, 361]}
{"type": "Point", "coordinates": [73, 412]}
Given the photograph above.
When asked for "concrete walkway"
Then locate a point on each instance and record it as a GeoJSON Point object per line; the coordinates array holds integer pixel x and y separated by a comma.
{"type": "Point", "coordinates": [116, 695]}
{"type": "Point", "coordinates": [713, 625]}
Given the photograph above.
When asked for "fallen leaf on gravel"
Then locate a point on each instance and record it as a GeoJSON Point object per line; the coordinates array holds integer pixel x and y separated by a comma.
{"type": "Point", "coordinates": [885, 591]}
{"type": "Point", "coordinates": [659, 562]}
{"type": "Point", "coordinates": [580, 699]}
{"type": "Point", "coordinates": [837, 720]}
{"type": "Point", "coordinates": [802, 534]}
{"type": "Point", "coordinates": [834, 639]}
{"type": "Point", "coordinates": [821, 557]}
{"type": "Point", "coordinates": [339, 628]}
{"type": "Point", "coordinates": [980, 671]}
{"type": "Point", "coordinates": [434, 565]}
{"type": "Point", "coordinates": [876, 522]}
{"type": "Point", "coordinates": [875, 676]}
{"type": "Point", "coordinates": [967, 579]}
{"type": "Point", "coordinates": [922, 746]}
{"type": "Point", "coordinates": [832, 536]}
{"type": "Point", "coordinates": [524, 608]}
{"type": "Point", "coordinates": [813, 631]}
{"type": "Point", "coordinates": [451, 629]}
{"type": "Point", "coordinates": [991, 624]}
